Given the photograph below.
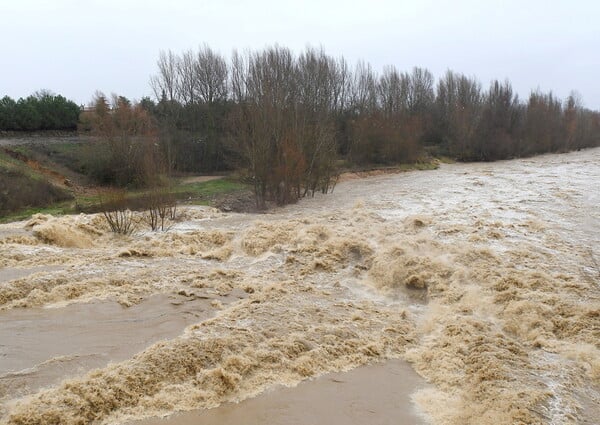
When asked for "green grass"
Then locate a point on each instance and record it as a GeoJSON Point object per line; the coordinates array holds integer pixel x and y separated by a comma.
{"type": "Point", "coordinates": [422, 164]}
{"type": "Point", "coordinates": [184, 191]}
{"type": "Point", "coordinates": [26, 192]}
{"type": "Point", "coordinates": [21, 149]}
{"type": "Point", "coordinates": [208, 189]}
{"type": "Point", "coordinates": [446, 160]}
{"type": "Point", "coordinates": [13, 164]}
{"type": "Point", "coordinates": [201, 193]}
{"type": "Point", "coordinates": [66, 148]}
{"type": "Point", "coordinates": [428, 165]}
{"type": "Point", "coordinates": [7, 161]}
{"type": "Point", "coordinates": [70, 155]}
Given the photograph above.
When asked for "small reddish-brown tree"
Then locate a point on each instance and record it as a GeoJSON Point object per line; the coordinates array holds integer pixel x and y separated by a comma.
{"type": "Point", "coordinates": [130, 136]}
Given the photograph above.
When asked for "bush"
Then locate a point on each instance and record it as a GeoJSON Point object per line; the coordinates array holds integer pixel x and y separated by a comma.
{"type": "Point", "coordinates": [161, 206]}
{"type": "Point", "coordinates": [116, 211]}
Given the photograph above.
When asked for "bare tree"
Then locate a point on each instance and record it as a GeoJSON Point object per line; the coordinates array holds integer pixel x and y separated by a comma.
{"type": "Point", "coordinates": [270, 99]}
{"type": "Point", "coordinates": [542, 131]}
{"type": "Point", "coordinates": [420, 91]}
{"type": "Point", "coordinates": [161, 205]}
{"type": "Point", "coordinates": [284, 120]}
{"type": "Point", "coordinates": [165, 82]}
{"type": "Point", "coordinates": [393, 92]}
{"type": "Point", "coordinates": [499, 123]}
{"type": "Point", "coordinates": [187, 80]}
{"type": "Point", "coordinates": [117, 214]}
{"type": "Point", "coordinates": [363, 88]}
{"type": "Point", "coordinates": [319, 82]}
{"type": "Point", "coordinates": [210, 75]}
{"type": "Point", "coordinates": [458, 111]}
{"type": "Point", "coordinates": [571, 114]}
{"type": "Point", "coordinates": [238, 75]}
{"type": "Point", "coordinates": [340, 83]}
{"type": "Point", "coordinates": [130, 135]}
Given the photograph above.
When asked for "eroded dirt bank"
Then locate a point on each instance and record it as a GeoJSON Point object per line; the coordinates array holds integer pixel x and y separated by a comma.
{"type": "Point", "coordinates": [485, 277]}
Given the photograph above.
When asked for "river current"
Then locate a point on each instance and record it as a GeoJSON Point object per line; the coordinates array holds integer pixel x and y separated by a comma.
{"type": "Point", "coordinates": [483, 279]}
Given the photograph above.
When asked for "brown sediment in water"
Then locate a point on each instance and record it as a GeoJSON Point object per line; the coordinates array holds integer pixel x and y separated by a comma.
{"type": "Point", "coordinates": [128, 284]}
{"type": "Point", "coordinates": [419, 265]}
{"type": "Point", "coordinates": [379, 393]}
{"type": "Point", "coordinates": [509, 334]}
{"type": "Point", "coordinates": [233, 356]}
{"type": "Point", "coordinates": [67, 232]}
{"type": "Point", "coordinates": [212, 244]}
{"type": "Point", "coordinates": [90, 336]}
{"type": "Point", "coordinates": [10, 273]}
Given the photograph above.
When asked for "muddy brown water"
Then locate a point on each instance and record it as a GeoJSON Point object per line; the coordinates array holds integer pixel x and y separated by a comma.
{"type": "Point", "coordinates": [378, 394]}
{"type": "Point", "coordinates": [10, 273]}
{"type": "Point", "coordinates": [42, 346]}
{"type": "Point", "coordinates": [485, 278]}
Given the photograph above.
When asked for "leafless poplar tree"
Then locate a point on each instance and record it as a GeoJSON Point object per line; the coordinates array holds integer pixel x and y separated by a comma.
{"type": "Point", "coordinates": [420, 94]}
{"type": "Point", "coordinates": [458, 111]}
{"type": "Point", "coordinates": [165, 82]}
{"type": "Point", "coordinates": [210, 75]}
{"type": "Point", "coordinates": [187, 81]}
{"type": "Point", "coordinates": [363, 88]}
{"type": "Point", "coordinates": [238, 75]}
{"type": "Point", "coordinates": [319, 83]}
{"type": "Point", "coordinates": [393, 91]}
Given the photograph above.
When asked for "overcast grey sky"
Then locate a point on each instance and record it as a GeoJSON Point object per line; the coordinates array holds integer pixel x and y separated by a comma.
{"type": "Point", "coordinates": [75, 47]}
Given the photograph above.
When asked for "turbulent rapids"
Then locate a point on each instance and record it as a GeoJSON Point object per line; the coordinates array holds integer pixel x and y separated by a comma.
{"type": "Point", "coordinates": [485, 278]}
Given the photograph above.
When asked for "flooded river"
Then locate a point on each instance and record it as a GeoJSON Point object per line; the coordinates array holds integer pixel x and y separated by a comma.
{"type": "Point", "coordinates": [464, 295]}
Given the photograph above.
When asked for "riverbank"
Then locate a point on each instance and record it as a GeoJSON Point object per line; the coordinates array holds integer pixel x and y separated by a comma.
{"type": "Point", "coordinates": [56, 159]}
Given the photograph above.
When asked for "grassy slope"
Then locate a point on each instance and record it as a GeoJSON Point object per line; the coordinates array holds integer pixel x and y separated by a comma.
{"type": "Point", "coordinates": [23, 188]}
{"type": "Point", "coordinates": [43, 165]}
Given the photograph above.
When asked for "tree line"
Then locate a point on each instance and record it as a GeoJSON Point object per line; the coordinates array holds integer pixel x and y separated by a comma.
{"type": "Point", "coordinates": [40, 111]}
{"type": "Point", "coordinates": [287, 120]}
